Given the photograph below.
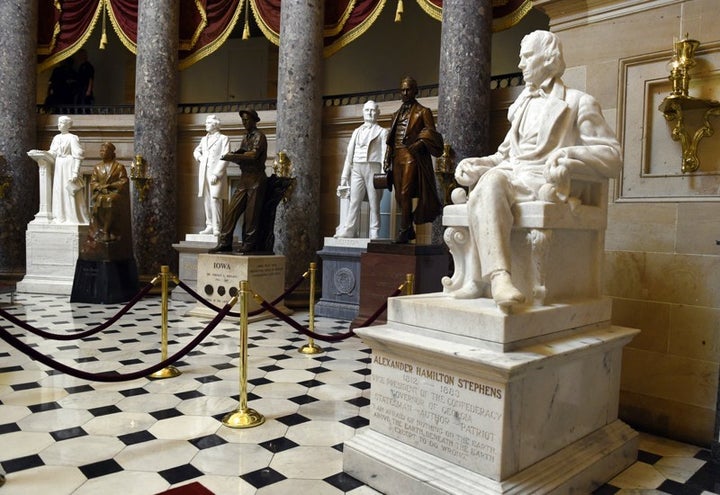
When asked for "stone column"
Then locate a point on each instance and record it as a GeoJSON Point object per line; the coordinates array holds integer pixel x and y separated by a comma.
{"type": "Point", "coordinates": [299, 110]}
{"type": "Point", "coordinates": [156, 102]}
{"type": "Point", "coordinates": [18, 173]}
{"type": "Point", "coordinates": [464, 89]}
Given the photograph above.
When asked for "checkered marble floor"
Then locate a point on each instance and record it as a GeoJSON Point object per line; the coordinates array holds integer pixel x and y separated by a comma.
{"type": "Point", "coordinates": [63, 435]}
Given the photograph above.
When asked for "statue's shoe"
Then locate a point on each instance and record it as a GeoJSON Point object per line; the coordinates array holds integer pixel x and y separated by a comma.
{"type": "Point", "coordinates": [505, 294]}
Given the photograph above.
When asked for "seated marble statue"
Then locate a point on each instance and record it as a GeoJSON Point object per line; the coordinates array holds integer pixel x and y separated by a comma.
{"type": "Point", "coordinates": [363, 159]}
{"type": "Point", "coordinates": [66, 153]}
{"type": "Point", "coordinates": [109, 235]}
{"type": "Point", "coordinates": [555, 132]}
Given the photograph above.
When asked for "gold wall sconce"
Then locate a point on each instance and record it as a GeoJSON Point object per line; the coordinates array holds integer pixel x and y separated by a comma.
{"type": "Point", "coordinates": [139, 176]}
{"type": "Point", "coordinates": [282, 168]}
{"type": "Point", "coordinates": [678, 102]}
{"type": "Point", "coordinates": [445, 172]}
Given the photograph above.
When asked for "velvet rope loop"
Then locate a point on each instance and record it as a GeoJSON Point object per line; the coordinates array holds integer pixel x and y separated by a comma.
{"type": "Point", "coordinates": [210, 305]}
{"type": "Point", "coordinates": [114, 377]}
{"type": "Point", "coordinates": [85, 333]}
{"type": "Point", "coordinates": [270, 307]}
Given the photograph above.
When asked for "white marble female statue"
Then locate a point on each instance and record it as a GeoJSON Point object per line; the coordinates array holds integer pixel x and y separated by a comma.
{"type": "Point", "coordinates": [66, 153]}
{"type": "Point", "coordinates": [212, 173]}
{"type": "Point", "coordinates": [555, 131]}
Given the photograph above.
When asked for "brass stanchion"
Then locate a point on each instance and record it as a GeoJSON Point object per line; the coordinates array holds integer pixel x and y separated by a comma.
{"type": "Point", "coordinates": [409, 284]}
{"type": "Point", "coordinates": [243, 416]}
{"type": "Point", "coordinates": [168, 371]}
{"type": "Point", "coordinates": [311, 347]}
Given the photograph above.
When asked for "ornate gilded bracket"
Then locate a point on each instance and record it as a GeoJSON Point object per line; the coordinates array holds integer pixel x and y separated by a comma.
{"type": "Point", "coordinates": [445, 172]}
{"type": "Point", "coordinates": [675, 105]}
{"type": "Point", "coordinates": [673, 108]}
{"type": "Point", "coordinates": [139, 176]}
{"type": "Point", "coordinates": [282, 167]}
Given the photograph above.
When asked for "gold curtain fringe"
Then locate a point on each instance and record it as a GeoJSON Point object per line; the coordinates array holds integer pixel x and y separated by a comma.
{"type": "Point", "coordinates": [103, 36]}
{"type": "Point", "coordinates": [399, 11]}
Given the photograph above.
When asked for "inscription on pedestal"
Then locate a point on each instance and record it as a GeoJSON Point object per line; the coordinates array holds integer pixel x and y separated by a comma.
{"type": "Point", "coordinates": [219, 277]}
{"type": "Point", "coordinates": [453, 416]}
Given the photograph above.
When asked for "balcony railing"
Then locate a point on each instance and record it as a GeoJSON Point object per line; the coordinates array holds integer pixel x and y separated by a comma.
{"type": "Point", "coordinates": [496, 82]}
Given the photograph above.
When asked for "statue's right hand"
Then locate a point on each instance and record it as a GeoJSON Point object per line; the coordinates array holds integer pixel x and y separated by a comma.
{"type": "Point", "coordinates": [469, 170]}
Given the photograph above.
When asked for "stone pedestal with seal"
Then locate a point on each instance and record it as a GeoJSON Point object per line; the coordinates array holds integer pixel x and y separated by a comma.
{"type": "Point", "coordinates": [219, 276]}
{"type": "Point", "coordinates": [188, 251]}
{"type": "Point", "coordinates": [341, 277]}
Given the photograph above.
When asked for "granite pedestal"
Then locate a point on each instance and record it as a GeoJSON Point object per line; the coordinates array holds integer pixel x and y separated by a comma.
{"type": "Point", "coordinates": [219, 276]}
{"type": "Point", "coordinates": [468, 400]}
{"type": "Point", "coordinates": [104, 282]}
{"type": "Point", "coordinates": [51, 251]}
{"type": "Point", "coordinates": [385, 266]}
{"type": "Point", "coordinates": [341, 277]}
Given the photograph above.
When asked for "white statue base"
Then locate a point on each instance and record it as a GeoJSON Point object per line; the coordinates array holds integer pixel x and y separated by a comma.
{"type": "Point", "coordinates": [188, 251]}
{"type": "Point", "coordinates": [452, 413]}
{"type": "Point", "coordinates": [219, 276]}
{"type": "Point", "coordinates": [52, 251]}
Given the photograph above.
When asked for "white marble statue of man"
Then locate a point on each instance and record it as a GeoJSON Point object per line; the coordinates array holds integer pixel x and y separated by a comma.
{"type": "Point", "coordinates": [212, 173]}
{"type": "Point", "coordinates": [555, 132]}
{"type": "Point", "coordinates": [66, 153]}
{"type": "Point", "coordinates": [365, 153]}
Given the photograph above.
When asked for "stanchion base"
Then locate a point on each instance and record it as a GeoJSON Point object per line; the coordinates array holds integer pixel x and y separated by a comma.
{"type": "Point", "coordinates": [167, 372]}
{"type": "Point", "coordinates": [311, 349]}
{"type": "Point", "coordinates": [243, 418]}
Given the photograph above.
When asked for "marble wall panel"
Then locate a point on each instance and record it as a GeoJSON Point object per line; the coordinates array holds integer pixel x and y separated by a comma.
{"type": "Point", "coordinates": [698, 228]}
{"type": "Point", "coordinates": [650, 227]}
{"type": "Point", "coordinates": [652, 318]}
{"type": "Point", "coordinates": [681, 279]}
{"type": "Point", "coordinates": [676, 378]}
{"type": "Point", "coordinates": [694, 332]}
{"type": "Point", "coordinates": [668, 418]}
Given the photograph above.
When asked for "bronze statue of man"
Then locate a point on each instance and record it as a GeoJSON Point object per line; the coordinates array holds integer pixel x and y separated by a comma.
{"type": "Point", "coordinates": [250, 193]}
{"type": "Point", "coordinates": [411, 142]}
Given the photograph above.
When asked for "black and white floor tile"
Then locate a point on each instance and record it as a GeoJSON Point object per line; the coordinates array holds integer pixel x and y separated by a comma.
{"type": "Point", "coordinates": [63, 435]}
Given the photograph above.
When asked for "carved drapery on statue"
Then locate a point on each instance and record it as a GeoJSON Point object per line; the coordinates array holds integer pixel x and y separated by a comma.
{"type": "Point", "coordinates": [63, 27]}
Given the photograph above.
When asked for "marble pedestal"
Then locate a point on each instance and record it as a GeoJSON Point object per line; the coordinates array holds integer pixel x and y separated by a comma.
{"type": "Point", "coordinates": [385, 266]}
{"type": "Point", "coordinates": [52, 251]}
{"type": "Point", "coordinates": [188, 251]}
{"type": "Point", "coordinates": [219, 276]}
{"type": "Point", "coordinates": [467, 400]}
{"type": "Point", "coordinates": [105, 282]}
{"type": "Point", "coordinates": [340, 277]}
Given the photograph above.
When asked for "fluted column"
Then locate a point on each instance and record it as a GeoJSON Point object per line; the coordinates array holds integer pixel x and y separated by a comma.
{"type": "Point", "coordinates": [18, 173]}
{"type": "Point", "coordinates": [156, 101]}
{"type": "Point", "coordinates": [299, 109]}
{"type": "Point", "coordinates": [464, 89]}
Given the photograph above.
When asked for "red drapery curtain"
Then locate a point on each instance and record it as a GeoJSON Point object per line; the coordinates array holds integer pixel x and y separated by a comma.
{"type": "Point", "coordinates": [65, 25]}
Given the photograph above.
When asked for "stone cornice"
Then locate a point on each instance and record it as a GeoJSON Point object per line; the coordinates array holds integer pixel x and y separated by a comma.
{"type": "Point", "coordinates": [567, 14]}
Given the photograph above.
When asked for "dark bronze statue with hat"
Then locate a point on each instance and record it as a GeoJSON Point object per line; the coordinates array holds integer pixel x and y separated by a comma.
{"type": "Point", "coordinates": [249, 196]}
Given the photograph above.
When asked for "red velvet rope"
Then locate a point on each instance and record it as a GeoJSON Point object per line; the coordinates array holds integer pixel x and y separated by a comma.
{"type": "Point", "coordinates": [327, 338]}
{"type": "Point", "coordinates": [113, 377]}
{"type": "Point", "coordinates": [78, 335]}
{"type": "Point", "coordinates": [210, 305]}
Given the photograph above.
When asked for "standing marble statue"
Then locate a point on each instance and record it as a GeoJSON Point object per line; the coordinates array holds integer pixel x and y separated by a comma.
{"type": "Point", "coordinates": [554, 132]}
{"type": "Point", "coordinates": [412, 140]}
{"type": "Point", "coordinates": [212, 173]}
{"type": "Point", "coordinates": [363, 159]}
{"type": "Point", "coordinates": [66, 153]}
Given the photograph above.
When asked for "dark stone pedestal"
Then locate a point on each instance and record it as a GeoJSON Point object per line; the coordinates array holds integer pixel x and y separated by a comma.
{"type": "Point", "coordinates": [383, 268]}
{"type": "Point", "coordinates": [104, 282]}
{"type": "Point", "coordinates": [340, 278]}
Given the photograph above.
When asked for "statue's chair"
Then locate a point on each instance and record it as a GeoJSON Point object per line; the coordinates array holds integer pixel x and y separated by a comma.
{"type": "Point", "coordinates": [557, 249]}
